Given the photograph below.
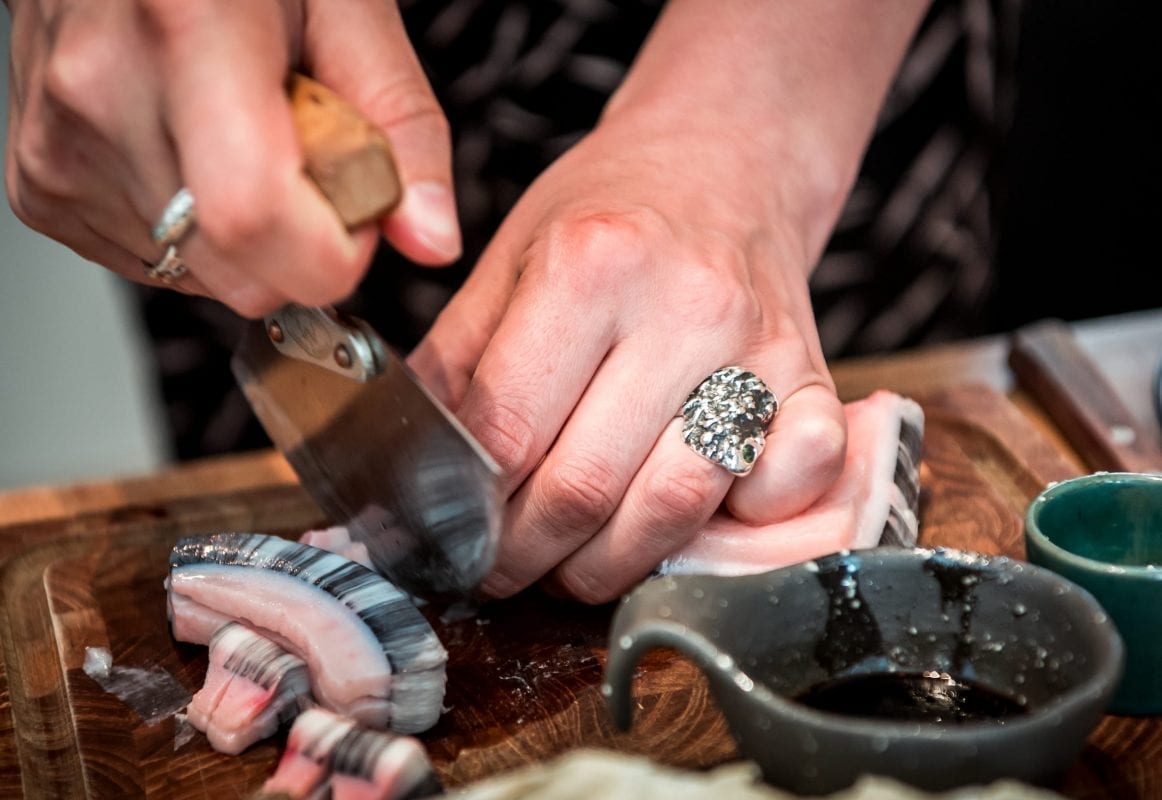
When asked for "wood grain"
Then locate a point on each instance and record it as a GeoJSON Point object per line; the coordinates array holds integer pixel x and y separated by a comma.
{"type": "Point", "coordinates": [524, 676]}
{"type": "Point", "coordinates": [347, 157]}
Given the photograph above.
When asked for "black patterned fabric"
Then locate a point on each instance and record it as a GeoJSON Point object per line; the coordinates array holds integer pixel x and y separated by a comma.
{"type": "Point", "coordinates": [914, 258]}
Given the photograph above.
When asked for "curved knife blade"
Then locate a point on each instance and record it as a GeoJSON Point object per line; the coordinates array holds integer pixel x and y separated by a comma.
{"type": "Point", "coordinates": [379, 455]}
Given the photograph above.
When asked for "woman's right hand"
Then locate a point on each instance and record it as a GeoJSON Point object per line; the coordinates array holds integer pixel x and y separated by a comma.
{"type": "Point", "coordinates": [115, 106]}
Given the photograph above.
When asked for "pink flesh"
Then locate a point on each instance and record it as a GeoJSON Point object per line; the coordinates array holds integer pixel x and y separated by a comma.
{"type": "Point", "coordinates": [851, 515]}
{"type": "Point", "coordinates": [349, 672]}
{"type": "Point", "coordinates": [402, 766]}
{"type": "Point", "coordinates": [349, 787]}
{"type": "Point", "coordinates": [298, 774]}
{"type": "Point", "coordinates": [207, 699]}
{"type": "Point", "coordinates": [337, 540]}
{"type": "Point", "coordinates": [244, 716]}
{"type": "Point", "coordinates": [234, 712]}
{"type": "Point", "coordinates": [295, 776]}
{"type": "Point", "coordinates": [193, 622]}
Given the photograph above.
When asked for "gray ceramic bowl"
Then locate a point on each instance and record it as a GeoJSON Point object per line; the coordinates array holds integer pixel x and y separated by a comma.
{"type": "Point", "coordinates": [1023, 633]}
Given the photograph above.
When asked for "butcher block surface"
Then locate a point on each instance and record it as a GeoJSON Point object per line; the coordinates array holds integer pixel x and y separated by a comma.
{"type": "Point", "coordinates": [524, 676]}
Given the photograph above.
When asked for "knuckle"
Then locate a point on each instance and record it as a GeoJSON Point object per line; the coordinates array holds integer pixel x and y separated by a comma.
{"type": "Point", "coordinates": [823, 440]}
{"type": "Point", "coordinates": [585, 587]}
{"type": "Point", "coordinates": [500, 585]}
{"type": "Point", "coordinates": [505, 430]}
{"type": "Point", "coordinates": [232, 218]}
{"type": "Point", "coordinates": [171, 17]}
{"type": "Point", "coordinates": [332, 285]}
{"type": "Point", "coordinates": [251, 301]}
{"type": "Point", "coordinates": [36, 165]}
{"type": "Point", "coordinates": [27, 214]}
{"type": "Point", "coordinates": [408, 101]}
{"type": "Point", "coordinates": [77, 73]}
{"type": "Point", "coordinates": [682, 496]}
{"type": "Point", "coordinates": [587, 252]}
{"type": "Point", "coordinates": [581, 494]}
{"type": "Point", "coordinates": [710, 299]}
{"type": "Point", "coordinates": [18, 191]}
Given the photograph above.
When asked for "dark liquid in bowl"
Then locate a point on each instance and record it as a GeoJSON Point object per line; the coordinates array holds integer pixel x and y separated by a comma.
{"type": "Point", "coordinates": [920, 697]}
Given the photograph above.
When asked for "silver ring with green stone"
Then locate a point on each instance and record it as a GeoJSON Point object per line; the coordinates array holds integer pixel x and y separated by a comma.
{"type": "Point", "coordinates": [725, 419]}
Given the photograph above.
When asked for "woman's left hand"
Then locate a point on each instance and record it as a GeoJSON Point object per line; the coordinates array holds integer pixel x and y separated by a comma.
{"type": "Point", "coordinates": [631, 270]}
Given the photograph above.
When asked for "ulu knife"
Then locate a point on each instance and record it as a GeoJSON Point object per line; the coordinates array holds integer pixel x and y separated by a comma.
{"type": "Point", "coordinates": [372, 446]}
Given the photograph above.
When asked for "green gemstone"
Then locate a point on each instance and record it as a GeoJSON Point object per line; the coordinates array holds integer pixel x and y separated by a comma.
{"type": "Point", "coordinates": [748, 454]}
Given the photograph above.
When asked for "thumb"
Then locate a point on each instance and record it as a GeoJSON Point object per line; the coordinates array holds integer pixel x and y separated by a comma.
{"type": "Point", "coordinates": [362, 51]}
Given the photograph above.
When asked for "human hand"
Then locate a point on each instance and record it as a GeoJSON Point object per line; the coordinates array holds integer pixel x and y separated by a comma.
{"type": "Point", "coordinates": [114, 106]}
{"type": "Point", "coordinates": [639, 263]}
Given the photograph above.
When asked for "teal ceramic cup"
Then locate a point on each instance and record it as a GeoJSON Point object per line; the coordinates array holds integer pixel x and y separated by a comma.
{"type": "Point", "coordinates": [1104, 533]}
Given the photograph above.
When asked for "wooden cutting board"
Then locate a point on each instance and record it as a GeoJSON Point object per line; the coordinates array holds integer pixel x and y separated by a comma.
{"type": "Point", "coordinates": [524, 676]}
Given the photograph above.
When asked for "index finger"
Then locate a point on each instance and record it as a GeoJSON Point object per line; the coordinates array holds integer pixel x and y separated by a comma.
{"type": "Point", "coordinates": [264, 233]}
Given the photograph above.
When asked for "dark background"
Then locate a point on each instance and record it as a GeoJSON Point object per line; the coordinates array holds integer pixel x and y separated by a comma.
{"type": "Point", "coordinates": [1064, 223]}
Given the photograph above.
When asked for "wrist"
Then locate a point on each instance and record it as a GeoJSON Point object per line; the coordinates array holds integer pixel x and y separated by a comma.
{"type": "Point", "coordinates": [787, 92]}
{"type": "Point", "coordinates": [745, 172]}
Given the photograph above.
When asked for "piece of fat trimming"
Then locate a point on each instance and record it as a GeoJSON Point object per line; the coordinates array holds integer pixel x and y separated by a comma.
{"type": "Point", "coordinates": [370, 653]}
{"type": "Point", "coordinates": [874, 501]}
{"type": "Point", "coordinates": [333, 756]}
{"type": "Point", "coordinates": [252, 688]}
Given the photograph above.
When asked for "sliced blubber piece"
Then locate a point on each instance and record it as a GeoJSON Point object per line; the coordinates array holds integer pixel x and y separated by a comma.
{"type": "Point", "coordinates": [252, 688]}
{"type": "Point", "coordinates": [875, 501]}
{"type": "Point", "coordinates": [370, 653]}
{"type": "Point", "coordinates": [326, 752]}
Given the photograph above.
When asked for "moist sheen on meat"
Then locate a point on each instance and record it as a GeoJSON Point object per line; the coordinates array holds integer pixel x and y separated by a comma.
{"type": "Point", "coordinates": [370, 653]}
{"type": "Point", "coordinates": [252, 688]}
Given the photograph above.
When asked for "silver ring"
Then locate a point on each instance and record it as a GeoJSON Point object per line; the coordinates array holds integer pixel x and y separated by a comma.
{"type": "Point", "coordinates": [170, 269]}
{"type": "Point", "coordinates": [175, 222]}
{"type": "Point", "coordinates": [176, 219]}
{"type": "Point", "coordinates": [725, 419]}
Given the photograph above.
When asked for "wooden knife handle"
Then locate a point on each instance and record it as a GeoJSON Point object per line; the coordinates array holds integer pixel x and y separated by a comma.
{"type": "Point", "coordinates": [1056, 372]}
{"type": "Point", "coordinates": [346, 155]}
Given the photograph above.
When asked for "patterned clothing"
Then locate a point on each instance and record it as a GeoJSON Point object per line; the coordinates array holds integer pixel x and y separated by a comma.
{"type": "Point", "coordinates": [911, 261]}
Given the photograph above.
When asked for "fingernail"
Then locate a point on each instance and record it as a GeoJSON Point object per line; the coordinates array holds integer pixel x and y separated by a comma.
{"type": "Point", "coordinates": [431, 211]}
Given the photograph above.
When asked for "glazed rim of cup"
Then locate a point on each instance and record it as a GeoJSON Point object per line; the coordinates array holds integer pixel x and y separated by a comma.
{"type": "Point", "coordinates": [1076, 560]}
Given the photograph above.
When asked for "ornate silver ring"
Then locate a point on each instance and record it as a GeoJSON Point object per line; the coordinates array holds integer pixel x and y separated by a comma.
{"type": "Point", "coordinates": [725, 419]}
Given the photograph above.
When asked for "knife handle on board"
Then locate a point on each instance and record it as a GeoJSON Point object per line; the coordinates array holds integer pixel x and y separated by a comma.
{"type": "Point", "coordinates": [344, 153]}
{"type": "Point", "coordinates": [1053, 369]}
